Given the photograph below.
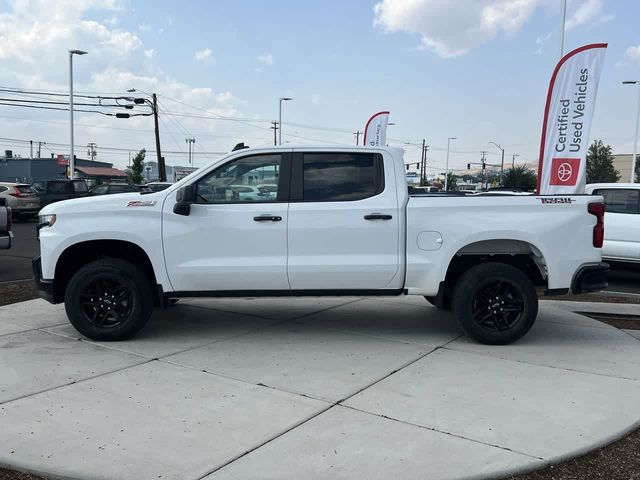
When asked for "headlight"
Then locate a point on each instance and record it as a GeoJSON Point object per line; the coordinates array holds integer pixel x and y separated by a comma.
{"type": "Point", "coordinates": [46, 220]}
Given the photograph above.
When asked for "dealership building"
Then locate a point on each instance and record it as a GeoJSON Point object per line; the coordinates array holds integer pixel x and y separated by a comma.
{"type": "Point", "coordinates": [30, 170]}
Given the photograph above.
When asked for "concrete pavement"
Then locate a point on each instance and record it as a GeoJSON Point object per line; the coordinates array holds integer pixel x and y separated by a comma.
{"type": "Point", "coordinates": [308, 388]}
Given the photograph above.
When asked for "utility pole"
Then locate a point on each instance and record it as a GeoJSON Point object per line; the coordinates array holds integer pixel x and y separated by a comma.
{"type": "Point", "coordinates": [274, 127]}
{"type": "Point", "coordinates": [423, 163]}
{"type": "Point", "coordinates": [39, 149]}
{"type": "Point", "coordinates": [513, 160]}
{"type": "Point", "coordinates": [30, 148]}
{"type": "Point", "coordinates": [190, 141]}
{"type": "Point", "coordinates": [162, 172]}
{"type": "Point", "coordinates": [91, 151]}
{"type": "Point", "coordinates": [357, 133]}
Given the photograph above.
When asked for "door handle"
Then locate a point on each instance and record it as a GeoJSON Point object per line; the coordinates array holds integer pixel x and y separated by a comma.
{"type": "Point", "coordinates": [267, 218]}
{"type": "Point", "coordinates": [377, 216]}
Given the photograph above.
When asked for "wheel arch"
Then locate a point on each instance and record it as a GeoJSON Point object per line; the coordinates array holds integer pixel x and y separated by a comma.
{"type": "Point", "coordinates": [520, 254]}
{"type": "Point", "coordinates": [79, 254]}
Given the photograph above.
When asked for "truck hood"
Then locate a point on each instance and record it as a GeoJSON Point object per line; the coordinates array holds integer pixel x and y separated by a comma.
{"type": "Point", "coordinates": [101, 203]}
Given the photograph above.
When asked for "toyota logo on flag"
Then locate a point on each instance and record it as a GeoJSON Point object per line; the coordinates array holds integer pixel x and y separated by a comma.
{"type": "Point", "coordinates": [564, 171]}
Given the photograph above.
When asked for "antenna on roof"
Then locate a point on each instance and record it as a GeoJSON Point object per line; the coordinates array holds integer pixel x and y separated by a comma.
{"type": "Point", "coordinates": [240, 146]}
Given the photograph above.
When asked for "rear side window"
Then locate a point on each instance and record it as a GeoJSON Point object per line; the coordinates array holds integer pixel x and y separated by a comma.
{"type": "Point", "coordinates": [618, 200]}
{"type": "Point", "coordinates": [59, 187]}
{"type": "Point", "coordinates": [80, 186]}
{"type": "Point", "coordinates": [339, 177]}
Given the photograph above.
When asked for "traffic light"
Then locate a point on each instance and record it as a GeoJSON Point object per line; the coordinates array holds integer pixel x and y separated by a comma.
{"type": "Point", "coordinates": [468, 166]}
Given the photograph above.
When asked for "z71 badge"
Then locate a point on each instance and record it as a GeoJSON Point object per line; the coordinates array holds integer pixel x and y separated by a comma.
{"type": "Point", "coordinates": [141, 203]}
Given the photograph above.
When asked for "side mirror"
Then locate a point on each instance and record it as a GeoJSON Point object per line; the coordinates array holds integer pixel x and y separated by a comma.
{"type": "Point", "coordinates": [184, 198]}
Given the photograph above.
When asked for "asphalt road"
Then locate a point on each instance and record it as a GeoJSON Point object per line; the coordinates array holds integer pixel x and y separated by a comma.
{"type": "Point", "coordinates": [15, 263]}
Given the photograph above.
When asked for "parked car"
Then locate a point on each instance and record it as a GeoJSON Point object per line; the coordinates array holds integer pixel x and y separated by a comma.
{"type": "Point", "coordinates": [622, 219]}
{"type": "Point", "coordinates": [23, 200]}
{"type": "Point", "coordinates": [426, 189]}
{"type": "Point", "coordinates": [6, 236]}
{"type": "Point", "coordinates": [158, 186]}
{"type": "Point", "coordinates": [52, 191]}
{"type": "Point", "coordinates": [341, 223]}
{"type": "Point", "coordinates": [112, 188]}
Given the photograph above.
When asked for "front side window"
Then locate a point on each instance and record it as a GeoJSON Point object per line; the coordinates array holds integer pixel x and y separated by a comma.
{"type": "Point", "coordinates": [338, 177]}
{"type": "Point", "coordinates": [251, 179]}
{"type": "Point", "coordinates": [619, 200]}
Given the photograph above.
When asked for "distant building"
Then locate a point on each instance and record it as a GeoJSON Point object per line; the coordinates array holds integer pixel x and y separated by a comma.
{"type": "Point", "coordinates": [622, 163]}
{"type": "Point", "coordinates": [30, 170]}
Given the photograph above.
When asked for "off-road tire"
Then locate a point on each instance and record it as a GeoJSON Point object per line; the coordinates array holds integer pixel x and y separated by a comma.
{"type": "Point", "coordinates": [109, 299]}
{"type": "Point", "coordinates": [495, 303]}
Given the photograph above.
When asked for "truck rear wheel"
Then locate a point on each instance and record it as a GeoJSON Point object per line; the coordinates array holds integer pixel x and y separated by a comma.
{"type": "Point", "coordinates": [495, 303]}
{"type": "Point", "coordinates": [109, 299]}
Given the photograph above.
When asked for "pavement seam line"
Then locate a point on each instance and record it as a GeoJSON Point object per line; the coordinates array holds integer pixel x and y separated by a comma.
{"type": "Point", "coordinates": [336, 404]}
{"type": "Point", "coordinates": [77, 381]}
{"type": "Point", "coordinates": [402, 367]}
{"type": "Point", "coordinates": [573, 370]}
{"type": "Point", "coordinates": [293, 427]}
{"type": "Point", "coordinates": [442, 431]}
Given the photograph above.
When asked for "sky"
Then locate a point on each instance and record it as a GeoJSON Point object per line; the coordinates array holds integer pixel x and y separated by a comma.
{"type": "Point", "coordinates": [477, 70]}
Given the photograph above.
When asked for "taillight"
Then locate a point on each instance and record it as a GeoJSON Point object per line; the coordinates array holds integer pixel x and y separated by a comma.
{"type": "Point", "coordinates": [17, 193]}
{"type": "Point", "coordinates": [9, 219]}
{"type": "Point", "coordinates": [597, 209]}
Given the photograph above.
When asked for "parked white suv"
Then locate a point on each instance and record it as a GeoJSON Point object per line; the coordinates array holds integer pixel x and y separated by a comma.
{"type": "Point", "coordinates": [622, 217]}
{"type": "Point", "coordinates": [340, 223]}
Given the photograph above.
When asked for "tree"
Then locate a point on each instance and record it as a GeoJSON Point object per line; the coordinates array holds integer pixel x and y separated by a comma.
{"type": "Point", "coordinates": [452, 182]}
{"type": "Point", "coordinates": [520, 177]}
{"type": "Point", "coordinates": [137, 165]}
{"type": "Point", "coordinates": [600, 167]}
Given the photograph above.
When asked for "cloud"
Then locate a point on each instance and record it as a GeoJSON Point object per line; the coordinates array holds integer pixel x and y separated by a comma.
{"type": "Point", "coordinates": [35, 55]}
{"type": "Point", "coordinates": [266, 59]}
{"type": "Point", "coordinates": [451, 29]}
{"type": "Point", "coordinates": [631, 56]}
{"type": "Point", "coordinates": [144, 27]}
{"type": "Point", "coordinates": [205, 55]}
{"type": "Point", "coordinates": [589, 12]}
{"type": "Point", "coordinates": [541, 41]}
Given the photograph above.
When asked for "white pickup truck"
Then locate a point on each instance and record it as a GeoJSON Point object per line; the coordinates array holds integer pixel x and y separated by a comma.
{"type": "Point", "coordinates": [337, 221]}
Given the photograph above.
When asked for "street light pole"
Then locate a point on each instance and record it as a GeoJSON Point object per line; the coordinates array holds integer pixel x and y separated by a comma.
{"type": "Point", "coordinates": [564, 17]}
{"type": "Point", "coordinates": [513, 160]}
{"type": "Point", "coordinates": [635, 138]}
{"type": "Point", "coordinates": [72, 161]}
{"type": "Point", "coordinates": [501, 162]}
{"type": "Point", "coordinates": [446, 170]}
{"type": "Point", "coordinates": [282, 99]}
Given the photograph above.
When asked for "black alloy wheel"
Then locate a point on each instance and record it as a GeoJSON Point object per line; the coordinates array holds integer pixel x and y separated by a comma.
{"type": "Point", "coordinates": [106, 302]}
{"type": "Point", "coordinates": [497, 306]}
{"type": "Point", "coordinates": [495, 303]}
{"type": "Point", "coordinates": [109, 299]}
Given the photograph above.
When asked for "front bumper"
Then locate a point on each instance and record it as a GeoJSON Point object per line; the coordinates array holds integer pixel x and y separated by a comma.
{"type": "Point", "coordinates": [44, 287]}
{"type": "Point", "coordinates": [590, 278]}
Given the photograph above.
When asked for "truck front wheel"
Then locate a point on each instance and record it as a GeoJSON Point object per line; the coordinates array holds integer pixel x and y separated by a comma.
{"type": "Point", "coordinates": [109, 299]}
{"type": "Point", "coordinates": [495, 303]}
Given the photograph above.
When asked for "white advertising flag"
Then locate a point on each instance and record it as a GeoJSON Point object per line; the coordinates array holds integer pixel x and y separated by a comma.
{"type": "Point", "coordinates": [375, 132]}
{"type": "Point", "coordinates": [568, 112]}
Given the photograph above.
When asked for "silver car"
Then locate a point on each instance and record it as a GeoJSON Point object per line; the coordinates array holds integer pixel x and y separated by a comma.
{"type": "Point", "coordinates": [22, 198]}
{"type": "Point", "coordinates": [6, 237]}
